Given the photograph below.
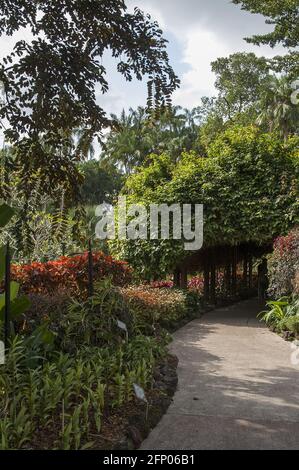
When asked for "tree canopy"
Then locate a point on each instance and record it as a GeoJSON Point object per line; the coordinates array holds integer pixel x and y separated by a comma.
{"type": "Point", "coordinates": [248, 184]}
{"type": "Point", "coordinates": [283, 14]}
{"type": "Point", "coordinates": [50, 82]}
{"type": "Point", "coordinates": [240, 78]}
{"type": "Point", "coordinates": [136, 136]}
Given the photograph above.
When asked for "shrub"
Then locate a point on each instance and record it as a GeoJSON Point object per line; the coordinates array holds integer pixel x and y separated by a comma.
{"type": "Point", "coordinates": [290, 324]}
{"type": "Point", "coordinates": [161, 284]}
{"type": "Point", "coordinates": [69, 274]}
{"type": "Point", "coordinates": [284, 265]}
{"type": "Point", "coordinates": [283, 314]}
{"type": "Point", "coordinates": [196, 283]}
{"type": "Point", "coordinates": [43, 308]}
{"type": "Point", "coordinates": [160, 307]}
{"type": "Point", "coordinates": [278, 310]}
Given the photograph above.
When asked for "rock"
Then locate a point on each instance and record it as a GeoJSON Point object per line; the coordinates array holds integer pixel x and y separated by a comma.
{"type": "Point", "coordinates": [122, 444]}
{"type": "Point", "coordinates": [135, 435]}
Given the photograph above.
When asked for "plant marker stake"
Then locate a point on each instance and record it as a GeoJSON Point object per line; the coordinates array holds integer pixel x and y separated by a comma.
{"type": "Point", "coordinates": [7, 296]}
{"type": "Point", "coordinates": [123, 327]}
{"type": "Point", "coordinates": [140, 394]}
{"type": "Point", "coordinates": [90, 270]}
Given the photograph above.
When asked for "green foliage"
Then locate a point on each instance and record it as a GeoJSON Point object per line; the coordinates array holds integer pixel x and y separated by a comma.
{"type": "Point", "coordinates": [136, 136]}
{"type": "Point", "coordinates": [282, 314]}
{"type": "Point", "coordinates": [101, 182]}
{"type": "Point", "coordinates": [6, 213]}
{"type": "Point", "coordinates": [277, 311]}
{"type": "Point", "coordinates": [53, 101]}
{"type": "Point", "coordinates": [276, 109]}
{"type": "Point", "coordinates": [240, 78]}
{"type": "Point", "coordinates": [57, 387]}
{"type": "Point", "coordinates": [18, 304]}
{"type": "Point", "coordinates": [248, 186]}
{"type": "Point", "coordinates": [283, 14]}
{"type": "Point", "coordinates": [289, 324]}
{"type": "Point", "coordinates": [94, 322]}
{"type": "Point", "coordinates": [283, 265]}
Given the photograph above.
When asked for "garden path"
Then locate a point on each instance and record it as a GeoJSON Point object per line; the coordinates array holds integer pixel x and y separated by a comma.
{"type": "Point", "coordinates": [237, 386]}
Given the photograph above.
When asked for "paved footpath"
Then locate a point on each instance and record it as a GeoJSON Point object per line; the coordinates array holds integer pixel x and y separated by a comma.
{"type": "Point", "coordinates": [237, 386]}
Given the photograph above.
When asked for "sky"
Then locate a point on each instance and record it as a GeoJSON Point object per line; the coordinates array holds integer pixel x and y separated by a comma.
{"type": "Point", "coordinates": [198, 31]}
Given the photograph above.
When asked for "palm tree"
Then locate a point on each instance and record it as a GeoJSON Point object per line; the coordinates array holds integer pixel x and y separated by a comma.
{"type": "Point", "coordinates": [136, 136]}
{"type": "Point", "coordinates": [277, 110]}
{"type": "Point", "coordinates": [84, 141]}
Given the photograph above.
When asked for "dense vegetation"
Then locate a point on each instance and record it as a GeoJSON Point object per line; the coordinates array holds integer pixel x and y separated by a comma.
{"type": "Point", "coordinates": [75, 355]}
{"type": "Point", "coordinates": [283, 311]}
{"type": "Point", "coordinates": [248, 185]}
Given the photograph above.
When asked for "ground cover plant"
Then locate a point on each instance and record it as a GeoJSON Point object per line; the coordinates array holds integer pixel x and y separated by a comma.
{"type": "Point", "coordinates": [283, 316]}
{"type": "Point", "coordinates": [71, 372]}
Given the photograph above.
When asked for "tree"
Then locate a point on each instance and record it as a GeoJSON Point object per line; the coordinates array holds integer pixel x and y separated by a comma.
{"type": "Point", "coordinates": [283, 14]}
{"type": "Point", "coordinates": [248, 185]}
{"type": "Point", "coordinates": [239, 80]}
{"type": "Point", "coordinates": [277, 110]}
{"type": "Point", "coordinates": [135, 136]}
{"type": "Point", "coordinates": [50, 83]}
{"type": "Point", "coordinates": [101, 182]}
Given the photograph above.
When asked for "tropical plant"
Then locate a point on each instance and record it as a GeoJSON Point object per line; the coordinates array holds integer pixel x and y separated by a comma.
{"type": "Point", "coordinates": [136, 136]}
{"type": "Point", "coordinates": [282, 315]}
{"type": "Point", "coordinates": [278, 310]}
{"type": "Point", "coordinates": [276, 108]}
{"type": "Point", "coordinates": [18, 304]}
{"type": "Point", "coordinates": [61, 402]}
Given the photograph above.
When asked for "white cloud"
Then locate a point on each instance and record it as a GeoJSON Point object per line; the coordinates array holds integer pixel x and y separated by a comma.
{"type": "Point", "coordinates": [201, 48]}
{"type": "Point", "coordinates": [200, 32]}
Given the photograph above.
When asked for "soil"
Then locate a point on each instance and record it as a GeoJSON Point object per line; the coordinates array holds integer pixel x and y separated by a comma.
{"type": "Point", "coordinates": [133, 422]}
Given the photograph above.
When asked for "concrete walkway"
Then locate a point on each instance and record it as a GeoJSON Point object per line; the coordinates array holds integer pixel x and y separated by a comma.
{"type": "Point", "coordinates": [237, 386]}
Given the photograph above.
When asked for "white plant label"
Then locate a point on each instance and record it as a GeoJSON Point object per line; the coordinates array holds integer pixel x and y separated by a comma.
{"type": "Point", "coordinates": [122, 326]}
{"type": "Point", "coordinates": [140, 393]}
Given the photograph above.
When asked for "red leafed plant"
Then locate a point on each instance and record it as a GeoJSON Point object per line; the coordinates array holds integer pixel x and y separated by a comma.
{"type": "Point", "coordinates": [284, 265]}
{"type": "Point", "coordinates": [69, 274]}
{"type": "Point", "coordinates": [287, 243]}
{"type": "Point", "coordinates": [161, 284]}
